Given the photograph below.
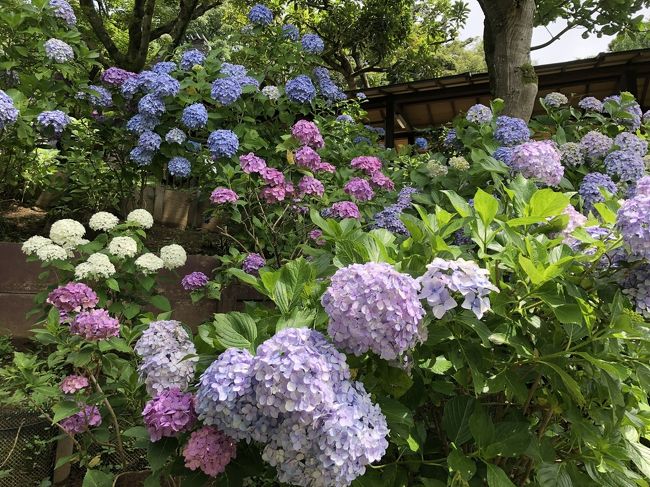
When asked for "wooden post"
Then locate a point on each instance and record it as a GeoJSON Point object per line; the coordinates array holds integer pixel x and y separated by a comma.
{"type": "Point", "coordinates": [389, 140]}
{"type": "Point", "coordinates": [64, 448]}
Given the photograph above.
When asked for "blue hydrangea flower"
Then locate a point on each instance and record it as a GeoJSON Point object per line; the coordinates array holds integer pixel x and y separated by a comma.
{"type": "Point", "coordinates": [164, 67]}
{"type": "Point", "coordinates": [141, 156]}
{"type": "Point", "coordinates": [100, 96]}
{"type": "Point", "coordinates": [572, 154]}
{"type": "Point", "coordinates": [595, 145]}
{"type": "Point", "coordinates": [361, 96]}
{"type": "Point", "coordinates": [503, 154]}
{"type": "Point", "coordinates": [511, 130]}
{"type": "Point", "coordinates": [233, 70]}
{"type": "Point", "coordinates": [479, 114]}
{"type": "Point", "coordinates": [260, 15]}
{"type": "Point", "coordinates": [223, 143]}
{"type": "Point", "coordinates": [290, 32]}
{"type": "Point", "coordinates": [632, 108]}
{"type": "Point", "coordinates": [390, 219]}
{"type": "Point", "coordinates": [179, 166]}
{"type": "Point", "coordinates": [139, 123]}
{"type": "Point", "coordinates": [55, 119]}
{"type": "Point", "coordinates": [360, 139]}
{"type": "Point", "coordinates": [58, 51]}
{"type": "Point", "coordinates": [327, 87]}
{"type": "Point", "coordinates": [628, 166]}
{"type": "Point", "coordinates": [63, 11]}
{"type": "Point", "coordinates": [590, 189]}
{"type": "Point", "coordinates": [195, 116]}
{"type": "Point", "coordinates": [421, 143]}
{"type": "Point", "coordinates": [300, 89]}
{"type": "Point", "coordinates": [159, 84]}
{"type": "Point", "coordinates": [8, 112]}
{"type": "Point", "coordinates": [629, 142]}
{"type": "Point", "coordinates": [226, 90]}
{"type": "Point", "coordinates": [345, 118]}
{"type": "Point", "coordinates": [591, 104]}
{"type": "Point", "coordinates": [193, 146]}
{"type": "Point", "coordinates": [175, 136]}
{"type": "Point", "coordinates": [451, 140]}
{"type": "Point", "coordinates": [190, 58]}
{"type": "Point", "coordinates": [149, 141]}
{"type": "Point", "coordinates": [151, 106]}
{"type": "Point", "coordinates": [312, 44]}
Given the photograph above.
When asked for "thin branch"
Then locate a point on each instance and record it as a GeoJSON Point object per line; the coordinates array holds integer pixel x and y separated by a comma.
{"type": "Point", "coordinates": [13, 446]}
{"type": "Point", "coordinates": [116, 424]}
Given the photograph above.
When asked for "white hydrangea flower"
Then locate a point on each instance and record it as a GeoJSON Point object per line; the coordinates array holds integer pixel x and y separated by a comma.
{"type": "Point", "coordinates": [98, 266]}
{"type": "Point", "coordinates": [67, 232]}
{"type": "Point", "coordinates": [149, 263]}
{"type": "Point", "coordinates": [173, 256]}
{"type": "Point", "coordinates": [103, 221]}
{"type": "Point", "coordinates": [84, 271]}
{"type": "Point", "coordinates": [271, 92]}
{"type": "Point", "coordinates": [123, 247]}
{"type": "Point", "coordinates": [50, 252]}
{"type": "Point", "coordinates": [141, 217]}
{"type": "Point", "coordinates": [32, 244]}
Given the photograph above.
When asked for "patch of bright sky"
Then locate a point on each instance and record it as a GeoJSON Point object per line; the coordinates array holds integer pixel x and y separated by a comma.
{"type": "Point", "coordinates": [569, 47]}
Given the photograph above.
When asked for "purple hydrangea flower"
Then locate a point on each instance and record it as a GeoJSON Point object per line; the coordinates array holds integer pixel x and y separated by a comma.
{"type": "Point", "coordinates": [8, 112]}
{"type": "Point", "coordinates": [369, 164]}
{"type": "Point", "coordinates": [175, 136]}
{"type": "Point", "coordinates": [253, 263]}
{"type": "Point", "coordinates": [251, 164]}
{"type": "Point", "coordinates": [312, 44]}
{"type": "Point", "coordinates": [390, 219]}
{"type": "Point", "coordinates": [511, 130]}
{"type": "Point", "coordinates": [58, 51]}
{"type": "Point", "coordinates": [539, 160]}
{"type": "Point", "coordinates": [576, 220]}
{"type": "Point", "coordinates": [194, 281]}
{"type": "Point", "coordinates": [300, 89]}
{"type": "Point", "coordinates": [63, 11]}
{"type": "Point", "coordinates": [628, 166]}
{"type": "Point", "coordinates": [95, 324]}
{"type": "Point", "coordinates": [139, 124]}
{"type": "Point", "coordinates": [55, 119]}
{"type": "Point", "coordinates": [116, 77]}
{"type": "Point", "coordinates": [209, 450]}
{"type": "Point", "coordinates": [223, 143]}
{"type": "Point", "coordinates": [380, 180]}
{"type": "Point", "coordinates": [590, 189]}
{"type": "Point", "coordinates": [141, 156]}
{"type": "Point", "coordinates": [221, 196]}
{"type": "Point", "coordinates": [360, 140]}
{"type": "Point", "coordinates": [479, 114]}
{"type": "Point", "coordinates": [164, 67]}
{"type": "Point", "coordinates": [73, 383]}
{"type": "Point", "coordinates": [310, 186]}
{"type": "Point", "coordinates": [636, 286]}
{"type": "Point", "coordinates": [372, 307]}
{"type": "Point", "coordinates": [272, 176]}
{"type": "Point", "coordinates": [191, 58]}
{"type": "Point", "coordinates": [317, 237]}
{"type": "Point", "coordinates": [444, 277]}
{"type": "Point", "coordinates": [179, 166]}
{"type": "Point", "coordinates": [591, 104]}
{"type": "Point", "coordinates": [627, 141]}
{"type": "Point", "coordinates": [572, 154]}
{"type": "Point", "coordinates": [421, 143]}
{"type": "Point", "coordinates": [226, 90]}
{"type": "Point", "coordinates": [72, 298]}
{"type": "Point", "coordinates": [260, 15]}
{"type": "Point", "coordinates": [195, 116]}
{"type": "Point", "coordinates": [149, 141]}
{"type": "Point", "coordinates": [168, 414]}
{"type": "Point", "coordinates": [345, 118]}
{"type": "Point", "coordinates": [276, 193]}
{"type": "Point", "coordinates": [291, 32]}
{"type": "Point", "coordinates": [555, 100]}
{"type": "Point", "coordinates": [633, 221]}
{"type": "Point", "coordinates": [361, 96]}
{"type": "Point", "coordinates": [633, 109]}
{"type": "Point", "coordinates": [307, 133]}
{"type": "Point", "coordinates": [307, 157]}
{"type": "Point", "coordinates": [81, 421]}
{"type": "Point", "coordinates": [360, 189]}
{"type": "Point", "coordinates": [595, 145]}
{"type": "Point", "coordinates": [342, 209]}
{"type": "Point", "coordinates": [151, 106]}
{"type": "Point", "coordinates": [405, 196]}
{"type": "Point", "coordinates": [327, 86]}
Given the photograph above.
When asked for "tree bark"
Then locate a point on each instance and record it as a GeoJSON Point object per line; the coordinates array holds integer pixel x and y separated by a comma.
{"type": "Point", "coordinates": [508, 31]}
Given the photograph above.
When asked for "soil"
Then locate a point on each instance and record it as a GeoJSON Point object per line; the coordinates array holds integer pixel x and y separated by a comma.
{"type": "Point", "coordinates": [18, 223]}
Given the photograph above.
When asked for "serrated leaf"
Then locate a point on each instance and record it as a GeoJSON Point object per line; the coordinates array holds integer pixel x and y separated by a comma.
{"type": "Point", "coordinates": [160, 302]}
{"type": "Point", "coordinates": [486, 206]}
{"type": "Point", "coordinates": [455, 418]}
{"type": "Point", "coordinates": [237, 330]}
{"type": "Point", "coordinates": [497, 477]}
{"type": "Point", "coordinates": [553, 475]}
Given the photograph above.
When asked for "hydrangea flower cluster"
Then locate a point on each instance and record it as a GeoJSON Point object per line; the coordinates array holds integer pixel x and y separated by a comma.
{"type": "Point", "coordinates": [163, 347]}
{"type": "Point", "coordinates": [222, 196]}
{"type": "Point", "coordinates": [390, 217]}
{"type": "Point", "coordinates": [99, 97]}
{"type": "Point", "coordinates": [250, 163]}
{"type": "Point", "coordinates": [627, 166]}
{"type": "Point", "coordinates": [195, 116]}
{"type": "Point", "coordinates": [73, 297]}
{"type": "Point", "coordinates": [636, 286]}
{"type": "Point", "coordinates": [194, 281]}
{"type": "Point", "coordinates": [175, 136]}
{"type": "Point", "coordinates": [32, 244]}
{"type": "Point", "coordinates": [8, 112]}
{"type": "Point", "coordinates": [590, 188]}
{"type": "Point", "coordinates": [327, 87]}
{"type": "Point", "coordinates": [140, 217]}
{"type": "Point", "coordinates": [179, 166]}
{"type": "Point", "coordinates": [149, 263]}
{"type": "Point", "coordinates": [310, 186]}
{"type": "Point", "coordinates": [226, 91]}
{"type": "Point", "coordinates": [168, 414]}
{"type": "Point", "coordinates": [555, 100]}
{"type": "Point", "coordinates": [359, 189]}
{"type": "Point", "coordinates": [116, 77]}
{"type": "Point", "coordinates": [572, 154]}
{"type": "Point", "coordinates": [89, 416]}
{"type": "Point", "coordinates": [95, 324]}
{"type": "Point", "coordinates": [164, 67]}
{"type": "Point", "coordinates": [444, 277]}
{"type": "Point", "coordinates": [51, 252]}
{"type": "Point", "coordinates": [300, 89]}
{"type": "Point", "coordinates": [479, 114]}
{"type": "Point", "coordinates": [173, 256]}
{"type": "Point", "coordinates": [97, 266]}
{"type": "Point", "coordinates": [260, 15]}
{"type": "Point", "coordinates": [253, 263]}
{"type": "Point", "coordinates": [103, 221]}
{"type": "Point", "coordinates": [539, 160]}
{"type": "Point", "coordinates": [633, 220]}
{"type": "Point", "coordinates": [421, 143]}
{"type": "Point", "coordinates": [223, 143]}
{"type": "Point", "coordinates": [123, 247]}
{"type": "Point", "coordinates": [576, 220]}
{"type": "Point", "coordinates": [345, 118]}
{"type": "Point", "coordinates": [271, 92]}
{"type": "Point", "coordinates": [67, 232]}
{"type": "Point", "coordinates": [209, 450]}
{"type": "Point", "coordinates": [58, 51]}
{"type": "Point", "coordinates": [459, 163]}
{"type": "Point", "coordinates": [633, 109]}
{"type": "Point", "coordinates": [191, 58]}
{"type": "Point", "coordinates": [63, 11]}
{"type": "Point", "coordinates": [73, 383]}
{"type": "Point", "coordinates": [591, 104]}
{"type": "Point", "coordinates": [307, 133]}
{"type": "Point", "coordinates": [511, 130]}
{"type": "Point", "coordinates": [372, 307]}
{"type": "Point", "coordinates": [595, 145]}
{"type": "Point", "coordinates": [312, 44]}
{"type": "Point", "coordinates": [55, 119]}
{"type": "Point", "coordinates": [629, 142]}
{"type": "Point", "coordinates": [342, 210]}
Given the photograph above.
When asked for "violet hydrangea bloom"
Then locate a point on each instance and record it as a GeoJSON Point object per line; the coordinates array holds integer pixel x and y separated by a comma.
{"type": "Point", "coordinates": [223, 143]}
{"type": "Point", "coordinates": [55, 119]}
{"type": "Point", "coordinates": [191, 58]}
{"type": "Point", "coordinates": [360, 189]}
{"type": "Point", "coordinates": [590, 188]}
{"type": "Point", "coordinates": [179, 166]}
{"type": "Point", "coordinates": [539, 160]}
{"type": "Point", "coordinates": [372, 307]}
{"type": "Point", "coordinates": [307, 133]}
{"type": "Point", "coordinates": [95, 324]}
{"type": "Point", "coordinates": [209, 450]}
{"type": "Point", "coordinates": [511, 130]}
{"type": "Point", "coordinates": [222, 196]}
{"type": "Point", "coordinates": [327, 87]}
{"type": "Point", "coordinates": [250, 163]}
{"type": "Point", "coordinates": [253, 263]}
{"type": "Point", "coordinates": [194, 281]}
{"type": "Point", "coordinates": [73, 383]}
{"type": "Point", "coordinates": [479, 114]}
{"type": "Point", "coordinates": [307, 157]}
{"type": "Point", "coordinates": [317, 237]}
{"type": "Point", "coordinates": [272, 176]}
{"type": "Point", "coordinates": [572, 154]}
{"type": "Point", "coordinates": [291, 32]}
{"type": "Point", "coordinates": [168, 414]}
{"type": "Point", "coordinates": [633, 109]}
{"type": "Point", "coordinates": [633, 221]}
{"type": "Point", "coordinates": [596, 145]}
{"type": "Point", "coordinates": [58, 51]}
{"type": "Point", "coordinates": [72, 298]}
{"type": "Point", "coordinates": [310, 186]}
{"type": "Point", "coordinates": [591, 104]}
{"type": "Point", "coordinates": [63, 11]}
{"type": "Point", "coordinates": [628, 166]}
{"type": "Point", "coordinates": [260, 15]}
{"type": "Point", "coordinates": [79, 422]}
{"type": "Point", "coordinates": [380, 180]}
{"type": "Point", "coordinates": [116, 77]}
{"type": "Point", "coordinates": [444, 277]}
{"type": "Point", "coordinates": [195, 116]}
{"type": "Point", "coordinates": [368, 164]}
{"type": "Point", "coordinates": [300, 89]}
{"type": "Point", "coordinates": [312, 44]}
{"type": "Point", "coordinates": [141, 156]}
{"type": "Point", "coordinates": [629, 142]}
{"type": "Point", "coordinates": [342, 209]}
{"type": "Point", "coordinates": [8, 112]}
{"type": "Point", "coordinates": [345, 118]}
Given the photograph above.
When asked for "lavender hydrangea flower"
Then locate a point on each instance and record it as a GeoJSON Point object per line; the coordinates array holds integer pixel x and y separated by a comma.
{"type": "Point", "coordinates": [8, 112]}
{"type": "Point", "coordinates": [360, 189]}
{"type": "Point", "coordinates": [633, 109]}
{"type": "Point", "coordinates": [195, 116]}
{"type": "Point", "coordinates": [116, 77]}
{"type": "Point", "coordinates": [300, 89]}
{"type": "Point", "coordinates": [226, 91]}
{"type": "Point", "coordinates": [627, 141]}
{"type": "Point", "coordinates": [636, 286]}
{"type": "Point", "coordinates": [307, 157]}
{"type": "Point", "coordinates": [291, 32]}
{"type": "Point", "coordinates": [191, 58]}
{"type": "Point", "coordinates": [99, 97]}
{"type": "Point", "coordinates": [72, 298]}
{"type": "Point", "coordinates": [223, 143]}
{"type": "Point", "coordinates": [451, 139]}
{"type": "Point", "coordinates": [139, 124]}
{"type": "Point", "coordinates": [307, 133]}
{"type": "Point", "coordinates": [250, 163]}
{"type": "Point", "coordinates": [149, 141]}
{"type": "Point", "coordinates": [194, 281]}
{"type": "Point", "coordinates": [345, 118]}
{"type": "Point", "coordinates": [342, 209]}
{"type": "Point", "coordinates": [271, 92]}
{"type": "Point", "coordinates": [572, 154]}
{"type": "Point", "coordinates": [151, 106]}
{"type": "Point", "coordinates": [633, 221]}
{"type": "Point", "coordinates": [179, 166]}
{"type": "Point", "coordinates": [168, 414]}
{"type": "Point", "coordinates": [73, 383]}
{"type": "Point", "coordinates": [209, 450]}
{"type": "Point", "coordinates": [539, 160]}
{"type": "Point", "coordinates": [595, 145]}
{"type": "Point", "coordinates": [55, 119]}
{"type": "Point", "coordinates": [310, 186]}
{"type": "Point", "coordinates": [260, 15]}
{"type": "Point", "coordinates": [164, 67]}
{"type": "Point", "coordinates": [175, 136]}
{"type": "Point", "coordinates": [141, 156]}
{"type": "Point", "coordinates": [361, 96]}
{"type": "Point", "coordinates": [221, 196]}
{"type": "Point", "coordinates": [421, 143]}
{"type": "Point", "coordinates": [312, 44]}
{"type": "Point", "coordinates": [95, 324]}
{"type": "Point", "coordinates": [253, 263]}
{"type": "Point", "coordinates": [511, 130]}
{"type": "Point", "coordinates": [444, 277]}
{"type": "Point", "coordinates": [316, 236]}
{"type": "Point", "coordinates": [80, 422]}
{"type": "Point", "coordinates": [63, 11]}
{"type": "Point", "coordinates": [555, 100]}
{"type": "Point", "coordinates": [628, 166]}
{"type": "Point", "coordinates": [372, 307]}
{"type": "Point", "coordinates": [590, 188]}
{"type": "Point", "coordinates": [58, 51]}
{"type": "Point", "coordinates": [390, 219]}
{"type": "Point", "coordinates": [591, 104]}
{"type": "Point", "coordinates": [479, 114]}
{"type": "Point", "coordinates": [368, 164]}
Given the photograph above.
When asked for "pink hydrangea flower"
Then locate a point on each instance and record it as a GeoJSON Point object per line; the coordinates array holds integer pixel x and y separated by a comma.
{"type": "Point", "coordinates": [73, 297]}
{"type": "Point", "coordinates": [169, 413]}
{"type": "Point", "coordinates": [342, 209]}
{"type": "Point", "coordinates": [317, 237]}
{"type": "Point", "coordinates": [273, 194]}
{"type": "Point", "coordinates": [369, 164]}
{"type": "Point", "coordinates": [81, 421]}
{"type": "Point", "coordinates": [250, 163]}
{"type": "Point", "coordinates": [272, 176]}
{"type": "Point", "coordinates": [307, 157]}
{"type": "Point", "coordinates": [310, 186]}
{"type": "Point", "coordinates": [380, 180]}
{"type": "Point", "coordinates": [325, 167]}
{"type": "Point", "coordinates": [209, 450]}
{"type": "Point", "coordinates": [95, 324]}
{"type": "Point", "coordinates": [307, 133]}
{"type": "Point", "coordinates": [73, 383]}
{"type": "Point", "coordinates": [360, 189]}
{"type": "Point", "coordinates": [221, 196]}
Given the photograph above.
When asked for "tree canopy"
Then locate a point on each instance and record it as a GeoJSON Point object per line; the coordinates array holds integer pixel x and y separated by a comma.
{"type": "Point", "coordinates": [626, 41]}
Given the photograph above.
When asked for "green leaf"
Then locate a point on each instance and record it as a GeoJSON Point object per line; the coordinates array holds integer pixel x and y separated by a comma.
{"type": "Point", "coordinates": [137, 432]}
{"type": "Point", "coordinates": [460, 204]}
{"type": "Point", "coordinates": [299, 318]}
{"type": "Point", "coordinates": [64, 410]}
{"type": "Point", "coordinates": [568, 313]}
{"type": "Point", "coordinates": [455, 418]}
{"type": "Point", "coordinates": [160, 302]}
{"type": "Point", "coordinates": [131, 310]}
{"type": "Point", "coordinates": [114, 343]}
{"type": "Point", "coordinates": [535, 275]}
{"type": "Point", "coordinates": [481, 426]}
{"type": "Point", "coordinates": [486, 206]}
{"type": "Point", "coordinates": [236, 330]}
{"type": "Point", "coordinates": [458, 462]}
{"type": "Point", "coordinates": [497, 477]}
{"type": "Point", "coordinates": [112, 284]}
{"type": "Point", "coordinates": [570, 383]}
{"type": "Point", "coordinates": [160, 451]}
{"type": "Point", "coordinates": [546, 202]}
{"type": "Point", "coordinates": [553, 475]}
{"type": "Point", "coordinates": [97, 478]}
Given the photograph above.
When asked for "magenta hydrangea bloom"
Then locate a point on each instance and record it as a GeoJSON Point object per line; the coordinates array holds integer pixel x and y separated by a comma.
{"type": "Point", "coordinates": [221, 196]}
{"type": "Point", "coordinates": [169, 413]}
{"type": "Point", "coordinates": [194, 281]}
{"type": "Point", "coordinates": [360, 189]}
{"type": "Point", "coordinates": [273, 194]}
{"type": "Point", "coordinates": [307, 133]}
{"type": "Point", "coordinates": [317, 237]}
{"type": "Point", "coordinates": [209, 450]}
{"type": "Point", "coordinates": [95, 324]}
{"type": "Point", "coordinates": [253, 263]}
{"type": "Point", "coordinates": [72, 298]}
{"type": "Point", "coordinates": [310, 186]}
{"type": "Point", "coordinates": [116, 76]}
{"type": "Point", "coordinates": [539, 160]}
{"type": "Point", "coordinates": [342, 209]}
{"type": "Point", "coordinates": [380, 180]}
{"type": "Point", "coordinates": [372, 307]}
{"type": "Point", "coordinates": [73, 383]}
{"type": "Point", "coordinates": [81, 421]}
{"type": "Point", "coordinates": [325, 167]}
{"type": "Point", "coordinates": [272, 176]}
{"type": "Point", "coordinates": [307, 157]}
{"type": "Point", "coordinates": [250, 163]}
{"type": "Point", "coordinates": [369, 164]}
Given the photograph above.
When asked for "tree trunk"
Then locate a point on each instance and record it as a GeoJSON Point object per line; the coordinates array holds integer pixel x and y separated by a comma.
{"type": "Point", "coordinates": [508, 32]}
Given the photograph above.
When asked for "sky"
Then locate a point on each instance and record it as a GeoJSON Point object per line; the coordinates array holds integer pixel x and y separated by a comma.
{"type": "Point", "coordinates": [569, 47]}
